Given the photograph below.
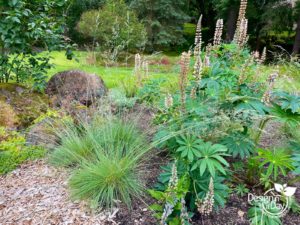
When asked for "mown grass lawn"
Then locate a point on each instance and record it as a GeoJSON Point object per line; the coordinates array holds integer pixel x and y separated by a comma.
{"type": "Point", "coordinates": [112, 76]}
{"type": "Point", "coordinates": [289, 79]}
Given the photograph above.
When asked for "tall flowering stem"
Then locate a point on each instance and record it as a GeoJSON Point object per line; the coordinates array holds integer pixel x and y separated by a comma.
{"type": "Point", "coordinates": [218, 32]}
{"type": "Point", "coordinates": [205, 207]}
{"type": "Point", "coordinates": [137, 69]}
{"type": "Point", "coordinates": [242, 13]}
{"type": "Point", "coordinates": [197, 51]}
{"type": "Point", "coordinates": [240, 21]}
{"type": "Point", "coordinates": [242, 37]}
{"type": "Point", "coordinates": [198, 38]}
{"type": "Point", "coordinates": [169, 206]}
{"type": "Point", "coordinates": [168, 101]}
{"type": "Point", "coordinates": [263, 56]}
{"type": "Point", "coordinates": [183, 76]}
{"type": "Point", "coordinates": [198, 68]}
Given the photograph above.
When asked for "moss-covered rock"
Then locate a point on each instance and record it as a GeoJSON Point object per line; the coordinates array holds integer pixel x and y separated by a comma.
{"type": "Point", "coordinates": [8, 117]}
{"type": "Point", "coordinates": [25, 104]}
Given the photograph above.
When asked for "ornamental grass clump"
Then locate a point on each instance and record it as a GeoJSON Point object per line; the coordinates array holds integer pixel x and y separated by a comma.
{"type": "Point", "coordinates": [107, 157]}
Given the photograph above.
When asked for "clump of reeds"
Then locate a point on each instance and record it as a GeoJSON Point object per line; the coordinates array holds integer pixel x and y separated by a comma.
{"type": "Point", "coordinates": [218, 32]}
{"type": "Point", "coordinates": [183, 76]}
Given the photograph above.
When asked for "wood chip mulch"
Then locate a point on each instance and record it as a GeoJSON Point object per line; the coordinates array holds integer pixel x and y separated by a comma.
{"type": "Point", "coordinates": [37, 193]}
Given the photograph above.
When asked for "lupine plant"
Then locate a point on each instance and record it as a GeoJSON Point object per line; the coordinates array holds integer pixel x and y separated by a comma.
{"type": "Point", "coordinates": [212, 120]}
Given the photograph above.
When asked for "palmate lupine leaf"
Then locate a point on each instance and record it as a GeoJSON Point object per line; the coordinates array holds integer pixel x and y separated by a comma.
{"type": "Point", "coordinates": [275, 162]}
{"type": "Point", "coordinates": [211, 159]}
{"type": "Point", "coordinates": [258, 217]}
{"type": "Point", "coordinates": [239, 145]}
{"type": "Point", "coordinates": [288, 101]}
{"type": "Point", "coordinates": [296, 163]}
{"type": "Point", "coordinates": [189, 146]}
{"type": "Point", "coordinates": [251, 104]}
{"type": "Point", "coordinates": [285, 116]}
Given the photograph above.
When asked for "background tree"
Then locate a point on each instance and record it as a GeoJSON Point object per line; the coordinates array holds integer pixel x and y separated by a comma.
{"type": "Point", "coordinates": [115, 27]}
{"type": "Point", "coordinates": [163, 19]}
{"type": "Point", "coordinates": [27, 25]}
{"type": "Point", "coordinates": [74, 11]}
{"type": "Point", "coordinates": [296, 46]}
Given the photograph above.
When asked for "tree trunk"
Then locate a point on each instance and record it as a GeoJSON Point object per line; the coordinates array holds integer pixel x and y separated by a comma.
{"type": "Point", "coordinates": [296, 47]}
{"type": "Point", "coordinates": [231, 23]}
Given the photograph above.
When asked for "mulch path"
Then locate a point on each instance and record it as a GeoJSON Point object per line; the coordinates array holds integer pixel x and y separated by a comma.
{"type": "Point", "coordinates": [37, 193]}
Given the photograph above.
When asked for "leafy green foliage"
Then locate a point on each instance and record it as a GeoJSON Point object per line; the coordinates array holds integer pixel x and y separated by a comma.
{"type": "Point", "coordinates": [190, 147]}
{"type": "Point", "coordinates": [258, 217]}
{"type": "Point", "coordinates": [241, 190]}
{"type": "Point", "coordinates": [296, 163]}
{"type": "Point", "coordinates": [24, 27]}
{"type": "Point", "coordinates": [75, 9]}
{"type": "Point", "coordinates": [288, 101]}
{"type": "Point", "coordinates": [115, 27]}
{"type": "Point", "coordinates": [211, 159]}
{"type": "Point", "coordinates": [239, 145]}
{"type": "Point", "coordinates": [164, 21]}
{"type": "Point", "coordinates": [201, 183]}
{"type": "Point", "coordinates": [274, 162]}
{"type": "Point", "coordinates": [172, 198]}
{"type": "Point", "coordinates": [285, 116]}
{"type": "Point", "coordinates": [151, 91]}
{"type": "Point", "coordinates": [14, 151]}
{"type": "Point", "coordinates": [120, 100]}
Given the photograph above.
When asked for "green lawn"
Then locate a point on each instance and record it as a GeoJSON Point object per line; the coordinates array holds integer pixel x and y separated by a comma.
{"type": "Point", "coordinates": [111, 75]}
{"type": "Point", "coordinates": [289, 79]}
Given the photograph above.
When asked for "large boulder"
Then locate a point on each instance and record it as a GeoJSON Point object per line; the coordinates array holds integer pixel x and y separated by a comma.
{"type": "Point", "coordinates": [75, 86]}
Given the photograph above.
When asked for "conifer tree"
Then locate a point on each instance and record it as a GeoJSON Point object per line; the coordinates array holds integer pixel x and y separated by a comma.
{"type": "Point", "coordinates": [164, 20]}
